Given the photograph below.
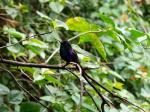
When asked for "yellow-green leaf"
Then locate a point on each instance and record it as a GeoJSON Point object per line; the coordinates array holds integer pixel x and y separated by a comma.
{"type": "Point", "coordinates": [80, 25]}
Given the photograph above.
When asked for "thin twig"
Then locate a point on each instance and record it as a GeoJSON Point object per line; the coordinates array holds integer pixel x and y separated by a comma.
{"type": "Point", "coordinates": [51, 55]}
{"type": "Point", "coordinates": [25, 39]}
{"type": "Point", "coordinates": [84, 34]}
{"type": "Point", "coordinates": [26, 91]}
{"type": "Point", "coordinates": [91, 98]}
{"type": "Point", "coordinates": [26, 75]}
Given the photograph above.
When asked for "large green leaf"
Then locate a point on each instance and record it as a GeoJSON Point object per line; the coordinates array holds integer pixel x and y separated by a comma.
{"type": "Point", "coordinates": [94, 40]}
{"type": "Point", "coordinates": [3, 89]}
{"type": "Point", "coordinates": [81, 25]}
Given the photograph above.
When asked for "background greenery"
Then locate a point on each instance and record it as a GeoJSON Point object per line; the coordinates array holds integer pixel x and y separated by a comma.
{"type": "Point", "coordinates": [121, 50]}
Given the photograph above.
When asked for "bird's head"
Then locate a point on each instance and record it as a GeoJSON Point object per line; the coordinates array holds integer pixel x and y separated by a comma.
{"type": "Point", "coordinates": [65, 43]}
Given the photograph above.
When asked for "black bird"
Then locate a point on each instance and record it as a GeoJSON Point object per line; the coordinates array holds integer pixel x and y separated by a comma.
{"type": "Point", "coordinates": [67, 53]}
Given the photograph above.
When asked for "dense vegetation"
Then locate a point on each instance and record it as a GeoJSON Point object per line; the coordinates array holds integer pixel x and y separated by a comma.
{"type": "Point", "coordinates": [110, 35]}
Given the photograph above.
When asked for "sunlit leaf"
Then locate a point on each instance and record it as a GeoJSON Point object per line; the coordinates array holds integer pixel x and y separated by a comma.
{"type": "Point", "coordinates": [118, 85]}
{"type": "Point", "coordinates": [81, 25]}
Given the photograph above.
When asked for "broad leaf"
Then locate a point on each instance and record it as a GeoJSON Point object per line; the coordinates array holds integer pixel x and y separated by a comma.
{"type": "Point", "coordinates": [3, 89]}
{"type": "Point", "coordinates": [15, 97]}
{"type": "Point", "coordinates": [81, 25]}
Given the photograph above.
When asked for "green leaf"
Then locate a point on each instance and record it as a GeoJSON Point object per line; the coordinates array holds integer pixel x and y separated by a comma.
{"type": "Point", "coordinates": [113, 35]}
{"type": "Point", "coordinates": [76, 98]}
{"type": "Point", "coordinates": [43, 15]}
{"type": "Point", "coordinates": [48, 98]}
{"type": "Point", "coordinates": [30, 107]}
{"type": "Point", "coordinates": [107, 19]}
{"type": "Point", "coordinates": [15, 97]}
{"type": "Point", "coordinates": [37, 76]}
{"type": "Point", "coordinates": [116, 74]}
{"type": "Point", "coordinates": [13, 33]}
{"type": "Point", "coordinates": [118, 85]}
{"type": "Point", "coordinates": [81, 25]}
{"type": "Point", "coordinates": [45, 71]}
{"type": "Point", "coordinates": [57, 23]}
{"type": "Point", "coordinates": [82, 51]}
{"type": "Point", "coordinates": [34, 49]}
{"type": "Point", "coordinates": [94, 40]}
{"type": "Point", "coordinates": [35, 42]}
{"type": "Point", "coordinates": [56, 7]}
{"type": "Point", "coordinates": [89, 107]}
{"type": "Point", "coordinates": [53, 80]}
{"type": "Point", "coordinates": [136, 33]}
{"type": "Point", "coordinates": [16, 49]}
{"type": "Point", "coordinates": [3, 89]}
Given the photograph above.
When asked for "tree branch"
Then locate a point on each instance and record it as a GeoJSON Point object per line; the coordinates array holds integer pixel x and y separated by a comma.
{"type": "Point", "coordinates": [16, 63]}
{"type": "Point", "coordinates": [113, 94]}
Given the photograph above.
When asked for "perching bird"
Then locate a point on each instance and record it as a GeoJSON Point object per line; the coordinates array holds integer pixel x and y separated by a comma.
{"type": "Point", "coordinates": [67, 53]}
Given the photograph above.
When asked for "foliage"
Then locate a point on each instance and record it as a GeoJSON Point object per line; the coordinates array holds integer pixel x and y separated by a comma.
{"type": "Point", "coordinates": [117, 40]}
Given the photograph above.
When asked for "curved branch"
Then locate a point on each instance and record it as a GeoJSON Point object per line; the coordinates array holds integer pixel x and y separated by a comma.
{"type": "Point", "coordinates": [84, 88]}
{"type": "Point", "coordinates": [113, 94]}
